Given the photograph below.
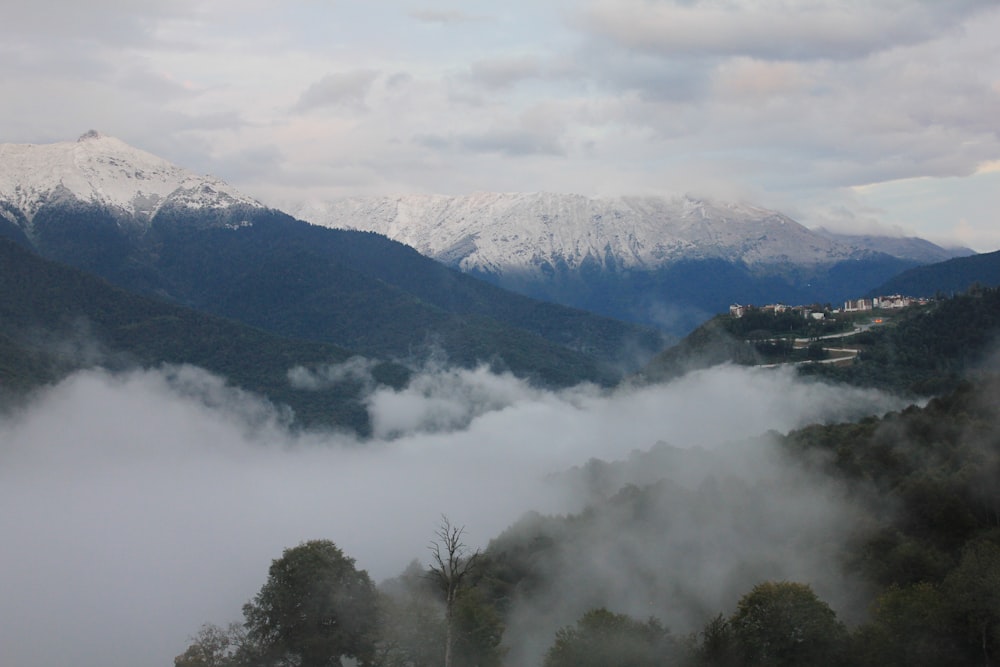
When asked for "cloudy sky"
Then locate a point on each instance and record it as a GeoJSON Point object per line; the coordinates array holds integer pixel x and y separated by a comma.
{"type": "Point", "coordinates": [844, 113]}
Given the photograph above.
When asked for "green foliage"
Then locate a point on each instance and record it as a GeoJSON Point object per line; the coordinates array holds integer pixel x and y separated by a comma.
{"type": "Point", "coordinates": [601, 638]}
{"type": "Point", "coordinates": [784, 624]}
{"type": "Point", "coordinates": [816, 352]}
{"type": "Point", "coordinates": [718, 646]}
{"type": "Point", "coordinates": [936, 466]}
{"type": "Point", "coordinates": [214, 646]}
{"type": "Point", "coordinates": [479, 630]}
{"type": "Point", "coordinates": [973, 591]}
{"type": "Point", "coordinates": [412, 623]}
{"type": "Point", "coordinates": [931, 546]}
{"type": "Point", "coordinates": [927, 546]}
{"type": "Point", "coordinates": [758, 337]}
{"type": "Point", "coordinates": [953, 622]}
{"type": "Point", "coordinates": [710, 344]}
{"type": "Point", "coordinates": [759, 323]}
{"type": "Point", "coordinates": [315, 608]}
{"type": "Point", "coordinates": [923, 351]}
{"type": "Point", "coordinates": [909, 628]}
{"type": "Point", "coordinates": [926, 351]}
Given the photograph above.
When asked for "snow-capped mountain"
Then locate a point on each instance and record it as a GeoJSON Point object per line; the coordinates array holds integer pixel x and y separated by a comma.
{"type": "Point", "coordinates": [905, 247]}
{"type": "Point", "coordinates": [538, 233]}
{"type": "Point", "coordinates": [151, 227]}
{"type": "Point", "coordinates": [100, 170]}
{"type": "Point", "coordinates": [670, 262]}
{"type": "Point", "coordinates": [130, 216]}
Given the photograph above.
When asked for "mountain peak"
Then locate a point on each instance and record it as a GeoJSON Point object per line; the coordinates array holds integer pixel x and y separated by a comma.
{"type": "Point", "coordinates": [530, 233]}
{"type": "Point", "coordinates": [101, 170]}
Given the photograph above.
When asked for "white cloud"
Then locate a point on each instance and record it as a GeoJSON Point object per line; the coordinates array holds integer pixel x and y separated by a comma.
{"type": "Point", "coordinates": [504, 72]}
{"type": "Point", "coordinates": [772, 29]}
{"type": "Point", "coordinates": [342, 90]}
{"type": "Point", "coordinates": [445, 17]}
{"type": "Point", "coordinates": [794, 101]}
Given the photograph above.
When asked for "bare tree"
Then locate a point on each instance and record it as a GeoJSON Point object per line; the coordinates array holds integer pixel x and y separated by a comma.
{"type": "Point", "coordinates": [452, 563]}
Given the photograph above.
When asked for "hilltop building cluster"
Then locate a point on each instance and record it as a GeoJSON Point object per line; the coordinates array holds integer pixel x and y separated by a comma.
{"type": "Point", "coordinates": [851, 306]}
{"type": "Point", "coordinates": [737, 310]}
{"type": "Point", "coordinates": [885, 302]}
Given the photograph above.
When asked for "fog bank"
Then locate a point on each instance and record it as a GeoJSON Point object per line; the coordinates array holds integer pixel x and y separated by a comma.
{"type": "Point", "coordinates": [135, 507]}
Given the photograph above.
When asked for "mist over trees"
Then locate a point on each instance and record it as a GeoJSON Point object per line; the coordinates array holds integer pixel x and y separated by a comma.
{"type": "Point", "coordinates": [314, 609]}
{"type": "Point", "coordinates": [884, 527]}
{"type": "Point", "coordinates": [238, 381]}
{"type": "Point", "coordinates": [601, 637]}
{"type": "Point", "coordinates": [920, 541]}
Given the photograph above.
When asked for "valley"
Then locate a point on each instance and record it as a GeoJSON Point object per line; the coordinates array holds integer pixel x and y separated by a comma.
{"type": "Point", "coordinates": [425, 333]}
{"type": "Point", "coordinates": [181, 365]}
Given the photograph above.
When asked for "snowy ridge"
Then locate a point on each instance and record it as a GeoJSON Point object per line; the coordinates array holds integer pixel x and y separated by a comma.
{"type": "Point", "coordinates": [102, 170]}
{"type": "Point", "coordinates": [500, 233]}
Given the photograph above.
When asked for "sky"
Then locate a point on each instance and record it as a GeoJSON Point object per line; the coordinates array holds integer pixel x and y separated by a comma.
{"type": "Point", "coordinates": [856, 115]}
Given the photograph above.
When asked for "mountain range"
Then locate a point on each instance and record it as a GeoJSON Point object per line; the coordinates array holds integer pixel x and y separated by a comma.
{"type": "Point", "coordinates": [147, 226]}
{"type": "Point", "coordinates": [668, 262]}
{"type": "Point", "coordinates": [116, 259]}
{"type": "Point", "coordinates": [155, 229]}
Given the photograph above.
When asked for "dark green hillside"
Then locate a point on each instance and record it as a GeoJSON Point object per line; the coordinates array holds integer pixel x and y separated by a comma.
{"type": "Point", "coordinates": [924, 545]}
{"type": "Point", "coordinates": [920, 350]}
{"type": "Point", "coordinates": [933, 547]}
{"type": "Point", "coordinates": [354, 289]}
{"type": "Point", "coordinates": [951, 277]}
{"type": "Point", "coordinates": [913, 507]}
{"type": "Point", "coordinates": [403, 267]}
{"type": "Point", "coordinates": [48, 310]}
{"type": "Point", "coordinates": [314, 283]}
{"type": "Point", "coordinates": [927, 350]}
{"type": "Point", "coordinates": [758, 337]}
{"type": "Point", "coordinates": [710, 344]}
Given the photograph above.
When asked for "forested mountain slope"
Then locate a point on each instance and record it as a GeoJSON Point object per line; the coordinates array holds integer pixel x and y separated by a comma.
{"type": "Point", "coordinates": [55, 319]}
{"type": "Point", "coordinates": [922, 545]}
{"type": "Point", "coordinates": [671, 262]}
{"type": "Point", "coordinates": [152, 227]}
{"type": "Point", "coordinates": [953, 276]}
{"type": "Point", "coordinates": [919, 351]}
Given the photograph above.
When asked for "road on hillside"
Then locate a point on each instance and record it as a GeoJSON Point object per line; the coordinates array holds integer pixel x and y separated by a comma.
{"type": "Point", "coordinates": [840, 353]}
{"type": "Point", "coordinates": [843, 334]}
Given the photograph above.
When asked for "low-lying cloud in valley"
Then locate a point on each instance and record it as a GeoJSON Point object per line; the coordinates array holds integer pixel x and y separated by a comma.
{"type": "Point", "coordinates": [137, 506]}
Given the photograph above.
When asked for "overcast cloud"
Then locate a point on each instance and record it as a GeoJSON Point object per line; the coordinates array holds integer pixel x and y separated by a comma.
{"type": "Point", "coordinates": [815, 108]}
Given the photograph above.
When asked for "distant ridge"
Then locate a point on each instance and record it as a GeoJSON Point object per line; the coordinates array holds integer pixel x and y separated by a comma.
{"type": "Point", "coordinates": [149, 226]}
{"type": "Point", "coordinates": [953, 276]}
{"type": "Point", "coordinates": [670, 262]}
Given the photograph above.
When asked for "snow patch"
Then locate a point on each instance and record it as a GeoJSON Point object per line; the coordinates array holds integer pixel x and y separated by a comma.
{"type": "Point", "coordinates": [105, 171]}
{"type": "Point", "coordinates": [527, 232]}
